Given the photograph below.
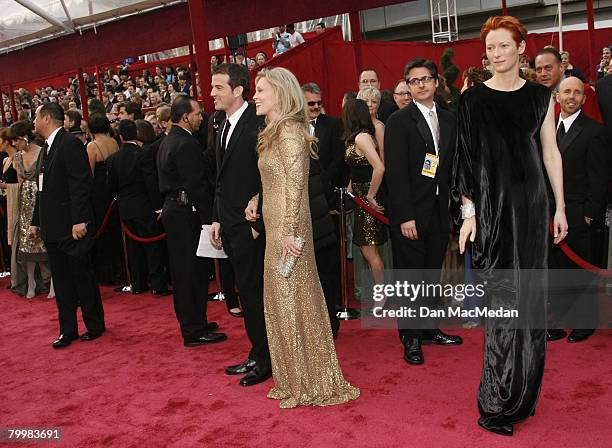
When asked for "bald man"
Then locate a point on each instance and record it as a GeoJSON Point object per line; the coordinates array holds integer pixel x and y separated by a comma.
{"type": "Point", "coordinates": [582, 144]}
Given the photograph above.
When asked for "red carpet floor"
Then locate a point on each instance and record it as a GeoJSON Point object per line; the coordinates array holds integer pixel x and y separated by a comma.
{"type": "Point", "coordinates": [138, 387]}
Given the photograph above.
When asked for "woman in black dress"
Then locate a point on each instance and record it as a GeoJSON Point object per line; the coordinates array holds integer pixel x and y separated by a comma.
{"type": "Point", "coordinates": [108, 253]}
{"type": "Point", "coordinates": [506, 138]}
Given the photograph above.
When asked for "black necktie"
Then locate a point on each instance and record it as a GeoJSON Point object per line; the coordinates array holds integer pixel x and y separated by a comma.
{"type": "Point", "coordinates": [44, 149]}
{"type": "Point", "coordinates": [560, 133]}
{"type": "Point", "coordinates": [224, 136]}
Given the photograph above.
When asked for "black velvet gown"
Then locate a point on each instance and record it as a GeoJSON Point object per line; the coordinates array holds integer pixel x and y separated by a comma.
{"type": "Point", "coordinates": [498, 165]}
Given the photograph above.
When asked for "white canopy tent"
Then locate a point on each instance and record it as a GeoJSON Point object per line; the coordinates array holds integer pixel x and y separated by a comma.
{"type": "Point", "coordinates": [28, 22]}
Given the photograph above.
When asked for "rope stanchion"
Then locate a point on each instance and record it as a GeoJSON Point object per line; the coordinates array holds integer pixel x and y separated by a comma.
{"type": "Point", "coordinates": [139, 239]}
{"type": "Point", "coordinates": [106, 219]}
{"type": "Point", "coordinates": [128, 287]}
{"type": "Point", "coordinates": [569, 253]}
{"type": "Point", "coordinates": [345, 313]}
{"type": "Point", "coordinates": [126, 231]}
{"type": "Point", "coordinates": [219, 296]}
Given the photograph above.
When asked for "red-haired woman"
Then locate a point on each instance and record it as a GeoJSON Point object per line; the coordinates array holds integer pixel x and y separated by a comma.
{"type": "Point", "coordinates": [506, 139]}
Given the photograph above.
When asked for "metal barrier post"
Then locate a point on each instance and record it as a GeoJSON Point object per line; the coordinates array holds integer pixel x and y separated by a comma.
{"type": "Point", "coordinates": [345, 313]}
{"type": "Point", "coordinates": [128, 287]}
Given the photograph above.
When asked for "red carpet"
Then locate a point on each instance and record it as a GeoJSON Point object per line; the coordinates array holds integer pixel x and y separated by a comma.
{"type": "Point", "coordinates": [138, 387]}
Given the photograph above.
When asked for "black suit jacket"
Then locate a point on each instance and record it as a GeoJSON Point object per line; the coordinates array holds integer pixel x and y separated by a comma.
{"type": "Point", "coordinates": [181, 166]}
{"type": "Point", "coordinates": [586, 162]}
{"type": "Point", "coordinates": [65, 199]}
{"type": "Point", "coordinates": [331, 150]}
{"type": "Point", "coordinates": [131, 175]}
{"type": "Point", "coordinates": [411, 196]}
{"type": "Point", "coordinates": [238, 177]}
{"type": "Point", "coordinates": [604, 98]}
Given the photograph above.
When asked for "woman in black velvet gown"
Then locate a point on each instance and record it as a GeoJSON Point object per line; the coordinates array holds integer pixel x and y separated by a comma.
{"type": "Point", "coordinates": [506, 139]}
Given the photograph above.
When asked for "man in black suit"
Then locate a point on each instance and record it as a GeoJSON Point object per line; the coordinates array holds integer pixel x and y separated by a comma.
{"type": "Point", "coordinates": [181, 169]}
{"type": "Point", "coordinates": [237, 182]}
{"type": "Point", "coordinates": [418, 137]}
{"type": "Point", "coordinates": [604, 98]}
{"type": "Point", "coordinates": [63, 216]}
{"type": "Point", "coordinates": [326, 173]}
{"type": "Point", "coordinates": [584, 150]}
{"type": "Point", "coordinates": [131, 176]}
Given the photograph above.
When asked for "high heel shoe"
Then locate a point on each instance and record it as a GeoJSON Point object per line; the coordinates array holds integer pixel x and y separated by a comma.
{"type": "Point", "coordinates": [532, 413]}
{"type": "Point", "coordinates": [502, 430]}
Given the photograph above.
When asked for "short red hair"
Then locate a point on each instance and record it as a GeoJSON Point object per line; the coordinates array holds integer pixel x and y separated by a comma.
{"type": "Point", "coordinates": [510, 23]}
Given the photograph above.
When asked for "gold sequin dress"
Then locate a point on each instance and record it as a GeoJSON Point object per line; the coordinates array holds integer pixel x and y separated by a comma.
{"type": "Point", "coordinates": [304, 363]}
{"type": "Point", "coordinates": [367, 230]}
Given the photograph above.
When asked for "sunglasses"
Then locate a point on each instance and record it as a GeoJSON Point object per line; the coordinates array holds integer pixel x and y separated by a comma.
{"type": "Point", "coordinates": [314, 103]}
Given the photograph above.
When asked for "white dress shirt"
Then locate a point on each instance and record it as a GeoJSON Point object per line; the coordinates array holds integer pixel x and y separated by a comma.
{"type": "Point", "coordinates": [233, 120]}
{"type": "Point", "coordinates": [567, 122]}
{"type": "Point", "coordinates": [51, 138]}
{"type": "Point", "coordinates": [425, 111]}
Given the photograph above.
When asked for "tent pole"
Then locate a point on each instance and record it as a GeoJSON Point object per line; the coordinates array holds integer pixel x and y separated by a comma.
{"type": "Point", "coordinates": [199, 31]}
{"type": "Point", "coordinates": [83, 94]}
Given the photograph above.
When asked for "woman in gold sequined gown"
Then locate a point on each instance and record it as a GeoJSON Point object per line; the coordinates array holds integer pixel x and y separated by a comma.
{"type": "Point", "coordinates": [30, 253]}
{"type": "Point", "coordinates": [304, 363]}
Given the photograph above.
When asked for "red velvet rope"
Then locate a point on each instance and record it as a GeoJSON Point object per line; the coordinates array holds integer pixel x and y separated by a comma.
{"type": "Point", "coordinates": [569, 253]}
{"type": "Point", "coordinates": [364, 205]}
{"type": "Point", "coordinates": [107, 216]}
{"type": "Point", "coordinates": [140, 239]}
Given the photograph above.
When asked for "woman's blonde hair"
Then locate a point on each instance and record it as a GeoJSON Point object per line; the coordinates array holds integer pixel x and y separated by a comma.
{"type": "Point", "coordinates": [290, 105]}
{"type": "Point", "coordinates": [369, 93]}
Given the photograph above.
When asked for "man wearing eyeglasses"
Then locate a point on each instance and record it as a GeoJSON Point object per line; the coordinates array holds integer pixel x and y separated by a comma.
{"type": "Point", "coordinates": [419, 149]}
{"type": "Point", "coordinates": [401, 94]}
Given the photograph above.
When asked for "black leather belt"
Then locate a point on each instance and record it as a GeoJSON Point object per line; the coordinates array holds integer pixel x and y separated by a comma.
{"type": "Point", "coordinates": [180, 197]}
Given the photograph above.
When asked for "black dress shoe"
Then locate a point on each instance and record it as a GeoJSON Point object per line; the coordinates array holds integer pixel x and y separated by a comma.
{"type": "Point", "coordinates": [257, 375]}
{"type": "Point", "coordinates": [242, 368]}
{"type": "Point", "coordinates": [212, 326]}
{"type": "Point", "coordinates": [502, 430]}
{"type": "Point", "coordinates": [91, 335]}
{"type": "Point", "coordinates": [209, 338]}
{"type": "Point", "coordinates": [136, 292]}
{"type": "Point", "coordinates": [441, 338]}
{"type": "Point", "coordinates": [64, 340]}
{"type": "Point", "coordinates": [579, 335]}
{"type": "Point", "coordinates": [413, 354]}
{"type": "Point", "coordinates": [555, 335]}
{"type": "Point", "coordinates": [161, 292]}
{"type": "Point", "coordinates": [236, 313]}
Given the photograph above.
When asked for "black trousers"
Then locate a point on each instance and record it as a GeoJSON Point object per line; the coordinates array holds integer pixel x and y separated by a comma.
{"type": "Point", "coordinates": [572, 297]}
{"type": "Point", "coordinates": [145, 257]}
{"type": "Point", "coordinates": [75, 285]}
{"type": "Point", "coordinates": [247, 257]}
{"type": "Point", "coordinates": [328, 266]}
{"type": "Point", "coordinates": [424, 258]}
{"type": "Point", "coordinates": [189, 272]}
{"type": "Point", "coordinates": [228, 283]}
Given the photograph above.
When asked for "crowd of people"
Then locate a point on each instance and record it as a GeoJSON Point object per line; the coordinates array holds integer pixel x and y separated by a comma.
{"type": "Point", "coordinates": [522, 144]}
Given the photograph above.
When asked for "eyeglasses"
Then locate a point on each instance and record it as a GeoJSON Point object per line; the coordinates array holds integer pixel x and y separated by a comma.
{"type": "Point", "coordinates": [401, 93]}
{"type": "Point", "coordinates": [314, 103]}
{"type": "Point", "coordinates": [424, 80]}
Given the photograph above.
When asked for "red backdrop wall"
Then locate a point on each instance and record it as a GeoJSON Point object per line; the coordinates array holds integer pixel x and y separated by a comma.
{"type": "Point", "coordinates": [330, 62]}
